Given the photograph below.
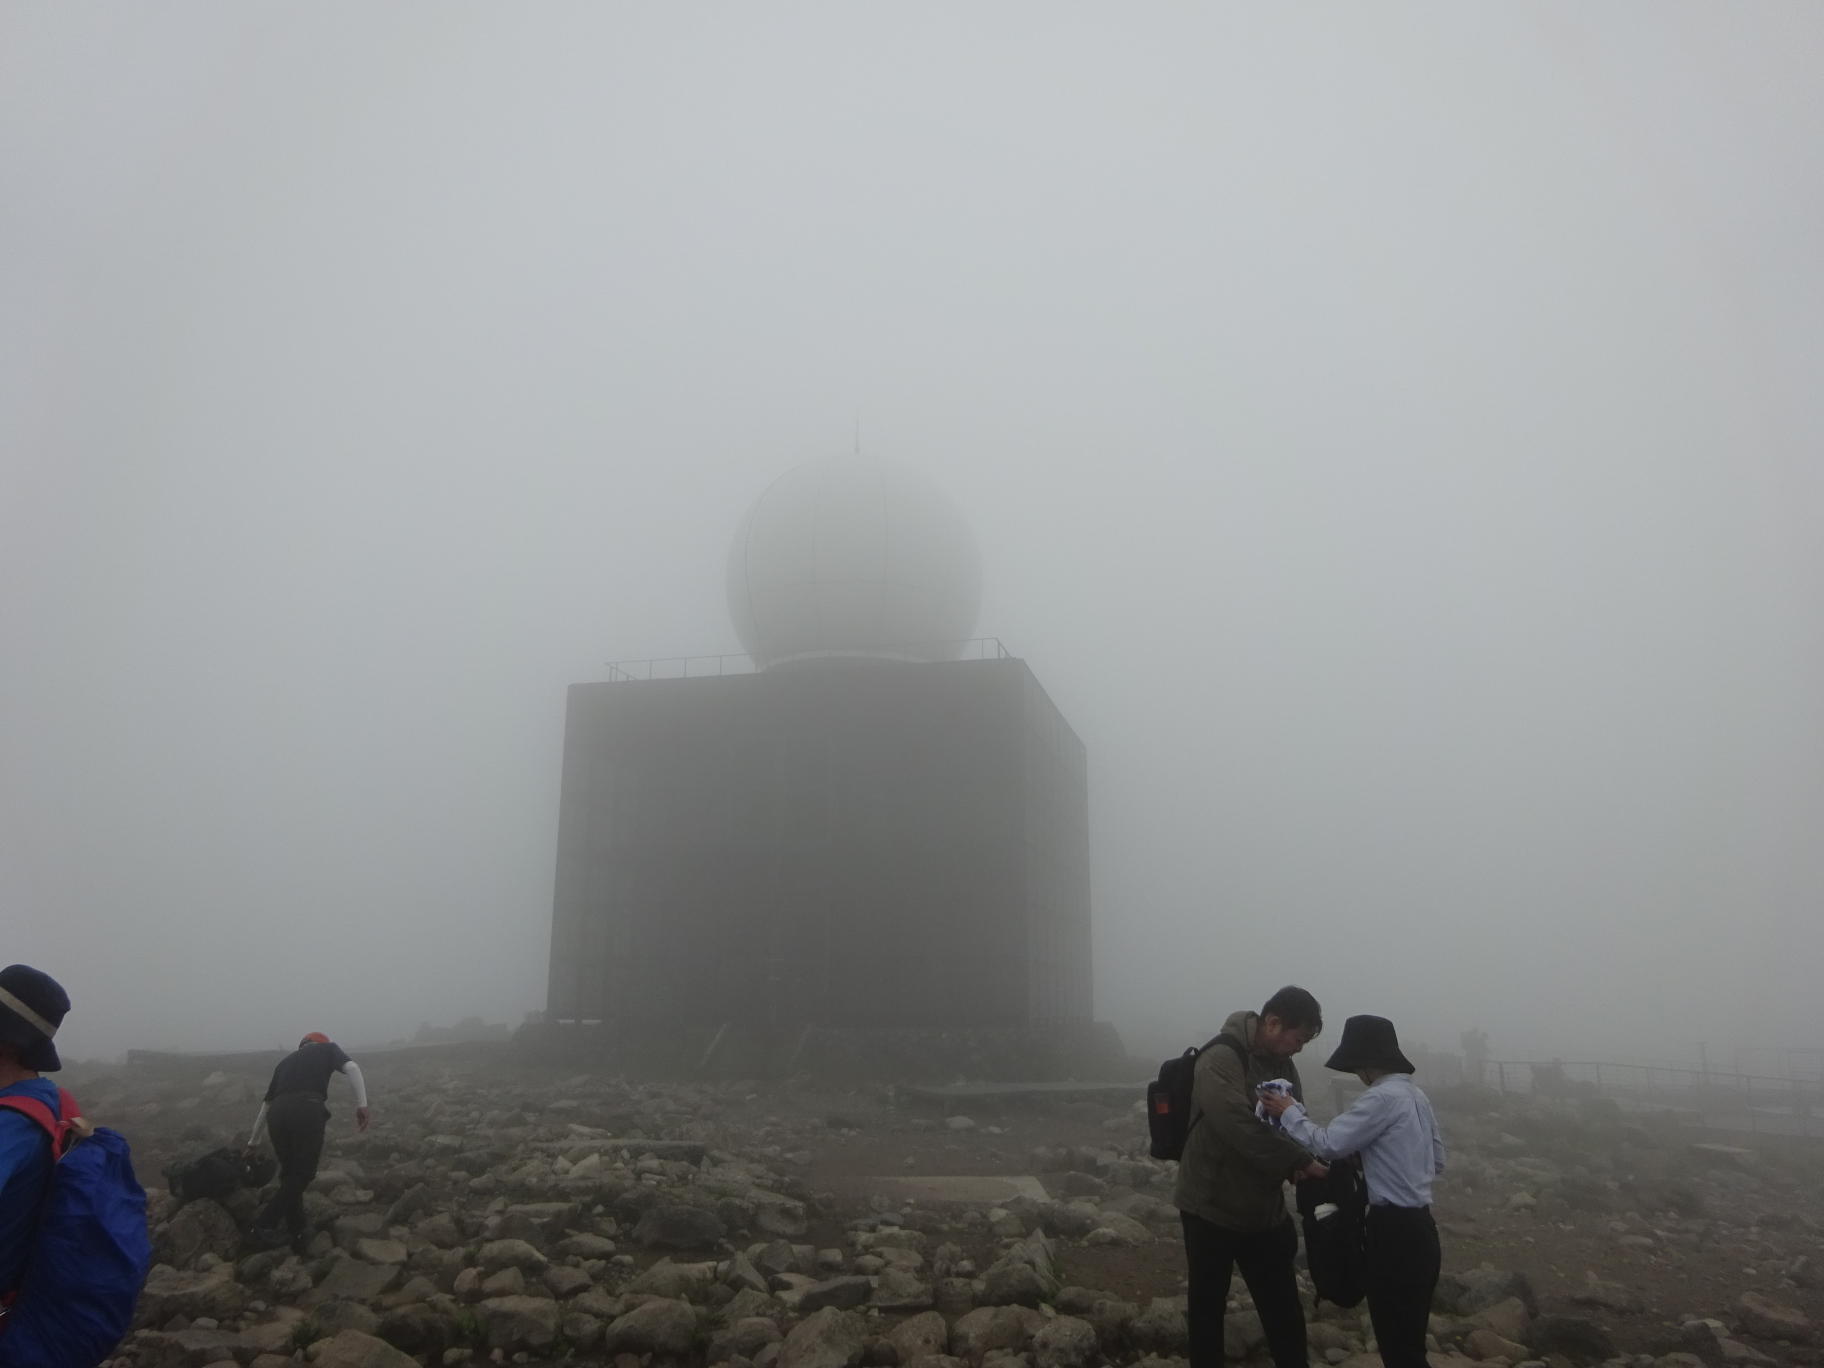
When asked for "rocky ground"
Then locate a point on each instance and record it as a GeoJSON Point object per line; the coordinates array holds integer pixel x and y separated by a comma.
{"type": "Point", "coordinates": [497, 1212]}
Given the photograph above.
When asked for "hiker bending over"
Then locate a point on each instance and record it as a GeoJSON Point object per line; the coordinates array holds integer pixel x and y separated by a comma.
{"type": "Point", "coordinates": [1392, 1127]}
{"type": "Point", "coordinates": [295, 1111]}
{"type": "Point", "coordinates": [1231, 1193]}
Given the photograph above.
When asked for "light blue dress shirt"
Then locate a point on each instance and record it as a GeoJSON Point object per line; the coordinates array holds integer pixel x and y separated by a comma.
{"type": "Point", "coordinates": [1392, 1127]}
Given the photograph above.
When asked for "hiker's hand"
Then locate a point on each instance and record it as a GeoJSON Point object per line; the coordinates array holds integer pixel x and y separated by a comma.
{"type": "Point", "coordinates": [1313, 1170]}
{"type": "Point", "coordinates": [1275, 1104]}
{"type": "Point", "coordinates": [360, 1118]}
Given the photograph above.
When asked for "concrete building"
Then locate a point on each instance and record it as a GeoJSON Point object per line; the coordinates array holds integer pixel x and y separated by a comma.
{"type": "Point", "coordinates": [878, 823]}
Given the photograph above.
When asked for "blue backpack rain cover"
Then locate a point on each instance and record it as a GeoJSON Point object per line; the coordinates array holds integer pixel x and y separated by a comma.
{"type": "Point", "coordinates": [90, 1253]}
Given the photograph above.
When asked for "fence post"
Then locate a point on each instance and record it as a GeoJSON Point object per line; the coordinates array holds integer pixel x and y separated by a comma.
{"type": "Point", "coordinates": [1501, 1075]}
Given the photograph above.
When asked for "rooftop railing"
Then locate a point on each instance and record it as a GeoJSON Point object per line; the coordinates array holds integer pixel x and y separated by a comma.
{"type": "Point", "coordinates": [740, 663]}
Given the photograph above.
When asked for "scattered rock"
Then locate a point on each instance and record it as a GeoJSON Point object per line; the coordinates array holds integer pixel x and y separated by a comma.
{"type": "Point", "coordinates": [197, 1228]}
{"type": "Point", "coordinates": [1065, 1342]}
{"type": "Point", "coordinates": [829, 1338]}
{"type": "Point", "coordinates": [674, 1226]}
{"type": "Point", "coordinates": [519, 1322]}
{"type": "Point", "coordinates": [989, 1328]}
{"type": "Point", "coordinates": [354, 1349]}
{"type": "Point", "coordinates": [1577, 1339]}
{"type": "Point", "coordinates": [1763, 1316]}
{"type": "Point", "coordinates": [660, 1326]}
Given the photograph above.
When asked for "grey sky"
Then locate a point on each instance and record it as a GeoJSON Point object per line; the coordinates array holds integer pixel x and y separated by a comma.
{"type": "Point", "coordinates": [1392, 431]}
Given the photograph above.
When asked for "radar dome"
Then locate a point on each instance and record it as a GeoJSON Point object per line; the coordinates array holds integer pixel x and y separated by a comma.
{"type": "Point", "coordinates": [853, 559]}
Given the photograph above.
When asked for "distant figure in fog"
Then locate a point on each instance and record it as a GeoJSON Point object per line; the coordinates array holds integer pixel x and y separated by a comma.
{"type": "Point", "coordinates": [1231, 1193]}
{"type": "Point", "coordinates": [1392, 1127]}
{"type": "Point", "coordinates": [295, 1111]}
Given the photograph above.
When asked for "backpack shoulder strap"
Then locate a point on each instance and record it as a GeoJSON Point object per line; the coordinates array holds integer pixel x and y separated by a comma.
{"type": "Point", "coordinates": [55, 1124]}
{"type": "Point", "coordinates": [1241, 1057]}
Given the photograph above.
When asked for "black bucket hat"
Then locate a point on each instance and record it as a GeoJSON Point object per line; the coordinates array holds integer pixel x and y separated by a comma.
{"type": "Point", "coordinates": [1368, 1042]}
{"type": "Point", "coordinates": [32, 1007]}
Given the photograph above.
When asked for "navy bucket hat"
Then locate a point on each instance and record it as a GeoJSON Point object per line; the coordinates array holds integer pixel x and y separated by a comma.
{"type": "Point", "coordinates": [32, 1007]}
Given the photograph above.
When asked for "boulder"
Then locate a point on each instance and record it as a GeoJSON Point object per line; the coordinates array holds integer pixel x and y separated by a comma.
{"type": "Point", "coordinates": [1575, 1338]}
{"type": "Point", "coordinates": [514, 1323]}
{"type": "Point", "coordinates": [582, 1330]}
{"type": "Point", "coordinates": [829, 1338]}
{"type": "Point", "coordinates": [919, 1336]}
{"type": "Point", "coordinates": [675, 1281]}
{"type": "Point", "coordinates": [745, 1338]}
{"type": "Point", "coordinates": [169, 1293]}
{"type": "Point", "coordinates": [499, 1254]}
{"type": "Point", "coordinates": [202, 1344]}
{"type": "Point", "coordinates": [900, 1289]}
{"type": "Point", "coordinates": [353, 1280]}
{"type": "Point", "coordinates": [1486, 1344]}
{"type": "Point", "coordinates": [1117, 1229]}
{"type": "Point", "coordinates": [417, 1329]}
{"type": "Point", "coordinates": [1026, 1275]}
{"type": "Point", "coordinates": [354, 1349]}
{"type": "Point", "coordinates": [380, 1251]}
{"type": "Point", "coordinates": [562, 1281]}
{"type": "Point", "coordinates": [1065, 1342]}
{"type": "Point", "coordinates": [1465, 1293]}
{"type": "Point", "coordinates": [845, 1294]}
{"type": "Point", "coordinates": [988, 1328]}
{"type": "Point", "coordinates": [1162, 1328]}
{"type": "Point", "coordinates": [1763, 1316]}
{"type": "Point", "coordinates": [586, 1246]}
{"type": "Point", "coordinates": [1507, 1319]}
{"type": "Point", "coordinates": [676, 1226]}
{"type": "Point", "coordinates": [505, 1282]}
{"type": "Point", "coordinates": [660, 1326]}
{"type": "Point", "coordinates": [198, 1228]}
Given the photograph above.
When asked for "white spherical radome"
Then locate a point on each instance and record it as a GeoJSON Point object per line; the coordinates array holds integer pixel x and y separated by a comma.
{"type": "Point", "coordinates": [852, 559]}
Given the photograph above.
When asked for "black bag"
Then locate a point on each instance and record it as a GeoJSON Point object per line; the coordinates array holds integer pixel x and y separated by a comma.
{"type": "Point", "coordinates": [1334, 1213]}
{"type": "Point", "coordinates": [217, 1174]}
{"type": "Point", "coordinates": [1168, 1098]}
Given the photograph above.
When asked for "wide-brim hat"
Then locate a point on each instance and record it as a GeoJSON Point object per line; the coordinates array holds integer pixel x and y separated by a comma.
{"type": "Point", "coordinates": [1369, 1042]}
{"type": "Point", "coordinates": [32, 1007]}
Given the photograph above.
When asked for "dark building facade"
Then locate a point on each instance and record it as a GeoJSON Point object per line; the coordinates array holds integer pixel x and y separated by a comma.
{"type": "Point", "coordinates": [833, 843]}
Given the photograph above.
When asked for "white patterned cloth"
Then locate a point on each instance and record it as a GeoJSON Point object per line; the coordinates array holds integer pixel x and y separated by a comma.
{"type": "Point", "coordinates": [1276, 1087]}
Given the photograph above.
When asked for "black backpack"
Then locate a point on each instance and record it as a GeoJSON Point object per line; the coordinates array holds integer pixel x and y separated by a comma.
{"type": "Point", "coordinates": [1168, 1098]}
{"type": "Point", "coordinates": [218, 1174]}
{"type": "Point", "coordinates": [1336, 1241]}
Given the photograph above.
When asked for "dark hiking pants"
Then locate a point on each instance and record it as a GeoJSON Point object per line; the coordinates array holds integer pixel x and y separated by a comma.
{"type": "Point", "coordinates": [1403, 1263]}
{"type": "Point", "coordinates": [295, 1122]}
{"type": "Point", "coordinates": [1265, 1258]}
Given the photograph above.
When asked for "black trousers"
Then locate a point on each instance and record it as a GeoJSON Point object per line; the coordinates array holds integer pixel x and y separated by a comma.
{"type": "Point", "coordinates": [295, 1122]}
{"type": "Point", "coordinates": [1403, 1263]}
{"type": "Point", "coordinates": [1265, 1257]}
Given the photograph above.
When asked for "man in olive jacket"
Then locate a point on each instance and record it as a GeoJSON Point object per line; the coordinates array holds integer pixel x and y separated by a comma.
{"type": "Point", "coordinates": [1231, 1180]}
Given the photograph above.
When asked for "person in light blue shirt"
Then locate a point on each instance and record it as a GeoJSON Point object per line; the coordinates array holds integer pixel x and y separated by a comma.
{"type": "Point", "coordinates": [32, 1007]}
{"type": "Point", "coordinates": [1392, 1127]}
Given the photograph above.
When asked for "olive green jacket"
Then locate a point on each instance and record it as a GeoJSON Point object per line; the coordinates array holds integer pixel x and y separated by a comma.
{"type": "Point", "coordinates": [1235, 1166]}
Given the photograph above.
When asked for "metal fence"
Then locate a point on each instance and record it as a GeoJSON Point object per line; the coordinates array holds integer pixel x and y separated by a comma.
{"type": "Point", "coordinates": [1712, 1098]}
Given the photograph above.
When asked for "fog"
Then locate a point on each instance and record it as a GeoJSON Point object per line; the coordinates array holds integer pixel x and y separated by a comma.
{"type": "Point", "coordinates": [1392, 434]}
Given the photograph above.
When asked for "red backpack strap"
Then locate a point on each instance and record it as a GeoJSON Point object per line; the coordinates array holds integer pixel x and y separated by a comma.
{"type": "Point", "coordinates": [53, 1125]}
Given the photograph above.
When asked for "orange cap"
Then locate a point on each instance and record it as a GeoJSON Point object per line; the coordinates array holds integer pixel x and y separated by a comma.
{"type": "Point", "coordinates": [314, 1038]}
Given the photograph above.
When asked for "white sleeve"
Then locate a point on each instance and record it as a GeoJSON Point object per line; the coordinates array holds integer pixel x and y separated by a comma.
{"type": "Point", "coordinates": [1350, 1133]}
{"type": "Point", "coordinates": [352, 1072]}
